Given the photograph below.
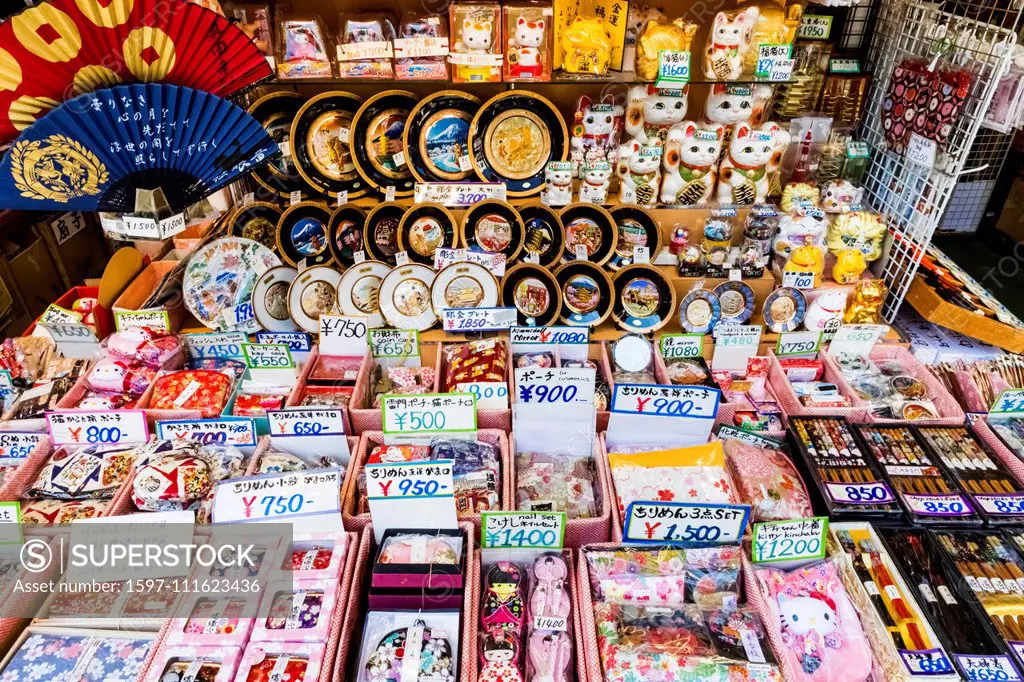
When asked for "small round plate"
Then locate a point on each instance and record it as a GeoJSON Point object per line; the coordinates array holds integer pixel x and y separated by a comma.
{"type": "Point", "coordinates": [586, 293]}
{"type": "Point", "coordinates": [320, 150]}
{"type": "Point", "coordinates": [784, 309]}
{"type": "Point", "coordinates": [302, 234]}
{"type": "Point", "coordinates": [314, 292]}
{"type": "Point", "coordinates": [493, 226]}
{"type": "Point", "coordinates": [425, 228]}
{"type": "Point", "coordinates": [276, 112]}
{"type": "Point", "coordinates": [464, 285]}
{"type": "Point", "coordinates": [534, 292]}
{"type": "Point", "coordinates": [633, 354]}
{"type": "Point", "coordinates": [644, 298]}
{"type": "Point", "coordinates": [219, 279]}
{"type": "Point", "coordinates": [590, 226]}
{"type": "Point", "coordinates": [436, 137]}
{"type": "Point", "coordinates": [405, 297]}
{"type": "Point", "coordinates": [376, 141]}
{"type": "Point", "coordinates": [699, 311]}
{"type": "Point", "coordinates": [270, 299]}
{"type": "Point", "coordinates": [545, 236]}
{"type": "Point", "coordinates": [737, 302]}
{"type": "Point", "coordinates": [635, 226]}
{"type": "Point", "coordinates": [256, 221]}
{"type": "Point", "coordinates": [346, 233]}
{"type": "Point", "coordinates": [513, 137]}
{"type": "Point", "coordinates": [380, 237]}
{"type": "Point", "coordinates": [359, 291]}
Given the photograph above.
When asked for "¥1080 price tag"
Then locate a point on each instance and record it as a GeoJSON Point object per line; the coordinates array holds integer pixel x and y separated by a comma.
{"type": "Point", "coordinates": [684, 523]}
{"type": "Point", "coordinates": [522, 530]}
{"type": "Point", "coordinates": [306, 421]}
{"type": "Point", "coordinates": [237, 431]}
{"type": "Point", "coordinates": [98, 428]}
{"type": "Point", "coordinates": [797, 540]}
{"type": "Point", "coordinates": [674, 346]}
{"type": "Point", "coordinates": [555, 385]}
{"type": "Point", "coordinates": [428, 414]}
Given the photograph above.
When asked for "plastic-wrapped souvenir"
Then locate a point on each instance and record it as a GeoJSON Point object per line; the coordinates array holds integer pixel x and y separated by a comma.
{"type": "Point", "coordinates": [586, 46]}
{"type": "Point", "coordinates": [849, 265]}
{"type": "Point", "coordinates": [528, 42]}
{"type": "Point", "coordinates": [475, 52]}
{"type": "Point", "coordinates": [650, 114]}
{"type": "Point", "coordinates": [596, 132]}
{"type": "Point", "coordinates": [111, 375]}
{"type": "Point", "coordinates": [421, 47]}
{"type": "Point", "coordinates": [768, 482]}
{"type": "Point", "coordinates": [640, 175]}
{"type": "Point", "coordinates": [864, 305]}
{"type": "Point", "coordinates": [596, 177]}
{"type": "Point", "coordinates": [556, 482]}
{"type": "Point", "coordinates": [365, 46]}
{"type": "Point", "coordinates": [840, 196]}
{"type": "Point", "coordinates": [731, 35]}
{"type": "Point", "coordinates": [797, 194]}
{"type": "Point", "coordinates": [254, 20]}
{"type": "Point", "coordinates": [484, 360]}
{"type": "Point", "coordinates": [502, 617]}
{"type": "Point", "coordinates": [194, 389]}
{"type": "Point", "coordinates": [184, 476]}
{"type": "Point", "coordinates": [825, 311]}
{"type": "Point", "coordinates": [302, 49]}
{"type": "Point", "coordinates": [743, 172]}
{"type": "Point", "coordinates": [861, 230]}
{"type": "Point", "coordinates": [658, 36]}
{"type": "Point", "coordinates": [807, 257]}
{"type": "Point", "coordinates": [690, 163]}
{"type": "Point", "coordinates": [549, 653]}
{"type": "Point", "coordinates": [776, 24]}
{"type": "Point", "coordinates": [62, 511]}
{"type": "Point", "coordinates": [425, 643]}
{"type": "Point", "coordinates": [181, 662]}
{"type": "Point", "coordinates": [799, 229]}
{"type": "Point", "coordinates": [152, 346]}
{"type": "Point", "coordinates": [26, 358]}
{"type": "Point", "coordinates": [81, 655]}
{"type": "Point", "coordinates": [639, 14]}
{"type": "Point", "coordinates": [90, 472]}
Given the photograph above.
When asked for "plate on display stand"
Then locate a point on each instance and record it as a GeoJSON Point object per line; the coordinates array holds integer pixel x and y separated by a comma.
{"type": "Point", "coordinates": [635, 226]}
{"type": "Point", "coordinates": [276, 113]}
{"type": "Point", "coordinates": [591, 227]}
{"type": "Point", "coordinates": [586, 293]}
{"type": "Point", "coordinates": [645, 299]}
{"type": "Point", "coordinates": [313, 293]}
{"type": "Point", "coordinates": [425, 228]}
{"type": "Point", "coordinates": [493, 226]}
{"type": "Point", "coordinates": [359, 291]}
{"type": "Point", "coordinates": [256, 221]}
{"type": "Point", "coordinates": [405, 299]}
{"type": "Point", "coordinates": [545, 235]}
{"type": "Point", "coordinates": [220, 277]}
{"type": "Point", "coordinates": [376, 141]}
{"type": "Point", "coordinates": [380, 236]}
{"type": "Point", "coordinates": [270, 299]}
{"type": "Point", "coordinates": [464, 285]}
{"type": "Point", "coordinates": [436, 137]}
{"type": "Point", "coordinates": [534, 292]}
{"type": "Point", "coordinates": [320, 144]}
{"type": "Point", "coordinates": [302, 234]}
{"type": "Point", "coordinates": [345, 231]}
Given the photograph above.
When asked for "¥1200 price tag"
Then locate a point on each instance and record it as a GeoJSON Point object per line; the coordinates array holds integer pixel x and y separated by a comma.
{"type": "Point", "coordinates": [684, 523]}
{"type": "Point", "coordinates": [478, 319]}
{"type": "Point", "coordinates": [555, 385]}
{"type": "Point", "coordinates": [798, 343]}
{"type": "Point", "coordinates": [987, 667]}
{"type": "Point", "coordinates": [98, 428]}
{"type": "Point", "coordinates": [306, 421]}
{"type": "Point", "coordinates": [155, 319]}
{"type": "Point", "coordinates": [280, 497]}
{"type": "Point", "coordinates": [18, 444]}
{"type": "Point", "coordinates": [237, 431]}
{"type": "Point", "coordinates": [860, 493]}
{"type": "Point", "coordinates": [216, 345]}
{"type": "Point", "coordinates": [1010, 401]}
{"type": "Point", "coordinates": [797, 540]}
{"type": "Point", "coordinates": [674, 346]}
{"type": "Point", "coordinates": [926, 661]}
{"type": "Point", "coordinates": [343, 336]}
{"type": "Point", "coordinates": [429, 413]}
{"type": "Point", "coordinates": [522, 530]}
{"type": "Point", "coordinates": [297, 342]}
{"type": "Point", "coordinates": [395, 347]}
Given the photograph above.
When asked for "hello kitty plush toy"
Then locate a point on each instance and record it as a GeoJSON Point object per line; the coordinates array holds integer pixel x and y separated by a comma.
{"type": "Point", "coordinates": [640, 175]}
{"type": "Point", "coordinates": [524, 53]}
{"type": "Point", "coordinates": [557, 184]}
{"type": "Point", "coordinates": [731, 34]}
{"type": "Point", "coordinates": [809, 624]}
{"type": "Point", "coordinates": [690, 164]}
{"type": "Point", "coordinates": [596, 178]}
{"type": "Point", "coordinates": [651, 113]}
{"type": "Point", "coordinates": [743, 173]}
{"type": "Point", "coordinates": [597, 127]}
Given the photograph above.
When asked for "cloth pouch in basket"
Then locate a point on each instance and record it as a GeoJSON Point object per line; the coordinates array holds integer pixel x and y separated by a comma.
{"type": "Point", "coordinates": [89, 472]}
{"type": "Point", "coordinates": [144, 344]}
{"type": "Point", "coordinates": [768, 482]}
{"type": "Point", "coordinates": [55, 656]}
{"type": "Point", "coordinates": [117, 375]}
{"type": "Point", "coordinates": [192, 389]}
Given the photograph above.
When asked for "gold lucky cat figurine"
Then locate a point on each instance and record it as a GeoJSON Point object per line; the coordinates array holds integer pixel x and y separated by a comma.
{"type": "Point", "coordinates": [657, 37]}
{"type": "Point", "coordinates": [864, 306]}
{"type": "Point", "coordinates": [587, 46]}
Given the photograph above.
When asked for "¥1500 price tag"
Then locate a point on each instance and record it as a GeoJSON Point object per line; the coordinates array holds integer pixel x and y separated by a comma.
{"type": "Point", "coordinates": [675, 346]}
{"type": "Point", "coordinates": [478, 319]}
{"type": "Point", "coordinates": [796, 540]}
{"type": "Point", "coordinates": [684, 523]}
{"type": "Point", "coordinates": [237, 431]}
{"type": "Point", "coordinates": [555, 385]}
{"type": "Point", "coordinates": [429, 413]}
{"type": "Point", "coordinates": [522, 530]}
{"type": "Point", "coordinates": [798, 343]}
{"type": "Point", "coordinates": [860, 493]}
{"type": "Point", "coordinates": [98, 428]}
{"type": "Point", "coordinates": [306, 421]}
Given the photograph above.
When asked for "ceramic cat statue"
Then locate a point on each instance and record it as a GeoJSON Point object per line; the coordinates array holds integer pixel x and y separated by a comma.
{"type": "Point", "coordinates": [651, 113]}
{"type": "Point", "coordinates": [640, 175]}
{"type": "Point", "coordinates": [690, 163]}
{"type": "Point", "coordinates": [743, 174]}
{"type": "Point", "coordinates": [596, 178]}
{"type": "Point", "coordinates": [596, 131]}
{"type": "Point", "coordinates": [731, 34]}
{"type": "Point", "coordinates": [557, 184]}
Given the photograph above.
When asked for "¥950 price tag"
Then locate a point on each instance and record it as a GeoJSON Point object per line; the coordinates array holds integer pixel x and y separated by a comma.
{"type": "Point", "coordinates": [555, 385]}
{"type": "Point", "coordinates": [522, 530]}
{"type": "Point", "coordinates": [674, 346]}
{"type": "Point", "coordinates": [798, 343]}
{"type": "Point", "coordinates": [411, 495]}
{"type": "Point", "coordinates": [237, 431]}
{"type": "Point", "coordinates": [412, 415]}
{"type": "Point", "coordinates": [478, 319]}
{"type": "Point", "coordinates": [98, 428]}
{"type": "Point", "coordinates": [685, 524]}
{"type": "Point", "coordinates": [797, 540]}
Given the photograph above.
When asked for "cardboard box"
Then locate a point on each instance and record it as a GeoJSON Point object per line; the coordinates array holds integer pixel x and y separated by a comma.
{"type": "Point", "coordinates": [151, 278]}
{"type": "Point", "coordinates": [76, 245]}
{"type": "Point", "coordinates": [33, 269]}
{"type": "Point", "coordinates": [934, 308]}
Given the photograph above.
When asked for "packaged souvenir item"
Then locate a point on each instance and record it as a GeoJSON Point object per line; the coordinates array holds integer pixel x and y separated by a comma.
{"type": "Point", "coordinates": [864, 306]}
{"type": "Point", "coordinates": [153, 347]}
{"type": "Point", "coordinates": [326, 396]}
{"type": "Point", "coordinates": [860, 230]}
{"type": "Point", "coordinates": [195, 389]}
{"type": "Point", "coordinates": [178, 663]}
{"type": "Point", "coordinates": [365, 46]}
{"type": "Point", "coordinates": [840, 196]}
{"type": "Point", "coordinates": [502, 614]}
{"type": "Point", "coordinates": [423, 560]}
{"type": "Point", "coordinates": [549, 652]}
{"type": "Point", "coordinates": [475, 53]}
{"type": "Point", "coordinates": [425, 643]}
{"type": "Point", "coordinates": [110, 375]}
{"type": "Point", "coordinates": [558, 177]}
{"type": "Point", "coordinates": [752, 154]}
{"type": "Point", "coordinates": [284, 660]}
{"type": "Point", "coordinates": [254, 19]}
{"type": "Point", "coordinates": [182, 475]}
{"type": "Point", "coordinates": [690, 163]}
{"type": "Point", "coordinates": [798, 194]}
{"type": "Point", "coordinates": [405, 380]}
{"type": "Point", "coordinates": [254, 401]}
{"type": "Point", "coordinates": [640, 175]}
{"type": "Point", "coordinates": [476, 361]}
{"type": "Point", "coordinates": [529, 37]}
{"type": "Point", "coordinates": [61, 511]}
{"type": "Point", "coordinates": [88, 656]}
{"type": "Point", "coordinates": [925, 100]}
{"type": "Point", "coordinates": [421, 48]}
{"type": "Point", "coordinates": [26, 358]}
{"type": "Point", "coordinates": [94, 471]}
{"type": "Point", "coordinates": [302, 49]}
{"type": "Point", "coordinates": [731, 35]}
{"type": "Point", "coordinates": [768, 482]}
{"type": "Point", "coordinates": [639, 14]}
{"type": "Point", "coordinates": [803, 227]}
{"type": "Point", "coordinates": [586, 46]}
{"type": "Point", "coordinates": [596, 131]}
{"type": "Point", "coordinates": [556, 482]}
{"type": "Point", "coordinates": [296, 611]}
{"type": "Point", "coordinates": [660, 36]}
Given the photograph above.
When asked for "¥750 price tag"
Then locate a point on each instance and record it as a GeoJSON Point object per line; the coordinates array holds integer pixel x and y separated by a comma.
{"type": "Point", "coordinates": [683, 523]}
{"type": "Point", "coordinates": [98, 428]}
{"type": "Point", "coordinates": [522, 530]}
{"type": "Point", "coordinates": [427, 414]}
{"type": "Point", "coordinates": [279, 497]}
{"type": "Point", "coordinates": [798, 343]}
{"type": "Point", "coordinates": [343, 335]}
{"type": "Point", "coordinates": [798, 540]}
{"type": "Point", "coordinates": [555, 385]}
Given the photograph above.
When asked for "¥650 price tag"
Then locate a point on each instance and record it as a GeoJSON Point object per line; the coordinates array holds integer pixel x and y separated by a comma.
{"type": "Point", "coordinates": [18, 444]}
{"type": "Point", "coordinates": [98, 428]}
{"type": "Point", "coordinates": [985, 668]}
{"type": "Point", "coordinates": [674, 346]}
{"type": "Point", "coordinates": [797, 540]}
{"type": "Point", "coordinates": [683, 523]}
{"type": "Point", "coordinates": [522, 530]}
{"type": "Point", "coordinates": [306, 421]}
{"type": "Point", "coordinates": [395, 346]}
{"type": "Point", "coordinates": [427, 414]}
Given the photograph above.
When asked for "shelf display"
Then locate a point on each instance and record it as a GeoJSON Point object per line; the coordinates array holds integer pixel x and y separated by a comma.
{"type": "Point", "coordinates": [436, 136]}
{"type": "Point", "coordinates": [586, 293]}
{"type": "Point", "coordinates": [534, 292]}
{"type": "Point", "coordinates": [345, 234]}
{"type": "Point", "coordinates": [376, 141]}
{"type": "Point", "coordinates": [493, 226]}
{"type": "Point", "coordinates": [424, 228]}
{"type": "Point", "coordinates": [321, 136]}
{"type": "Point", "coordinates": [275, 111]}
{"type": "Point", "coordinates": [302, 234]}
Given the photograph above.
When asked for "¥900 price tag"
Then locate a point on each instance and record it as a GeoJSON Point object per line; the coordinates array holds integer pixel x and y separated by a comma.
{"type": "Point", "coordinates": [555, 385]}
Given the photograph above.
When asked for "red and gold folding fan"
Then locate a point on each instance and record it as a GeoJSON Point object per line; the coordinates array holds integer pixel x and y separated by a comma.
{"type": "Point", "coordinates": [62, 48]}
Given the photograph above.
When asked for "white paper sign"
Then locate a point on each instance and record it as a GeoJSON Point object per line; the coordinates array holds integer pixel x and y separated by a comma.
{"type": "Point", "coordinates": [1010, 401]}
{"type": "Point", "coordinates": [490, 395]}
{"type": "Point", "coordinates": [237, 431]}
{"type": "Point", "coordinates": [18, 444]}
{"type": "Point", "coordinates": [857, 338]}
{"type": "Point", "coordinates": [343, 336]}
{"type": "Point", "coordinates": [798, 280]}
{"type": "Point", "coordinates": [458, 194]}
{"type": "Point", "coordinates": [651, 413]}
{"type": "Point", "coordinates": [429, 414]}
{"type": "Point", "coordinates": [107, 427]}
{"type": "Point", "coordinates": [735, 344]}
{"type": "Point", "coordinates": [495, 262]}
{"type": "Point", "coordinates": [313, 496]}
{"type": "Point", "coordinates": [555, 386]}
{"type": "Point", "coordinates": [74, 340]}
{"type": "Point", "coordinates": [395, 347]}
{"type": "Point", "coordinates": [270, 363]}
{"type": "Point", "coordinates": [674, 346]}
{"type": "Point", "coordinates": [478, 319]}
{"type": "Point", "coordinates": [798, 343]}
{"type": "Point", "coordinates": [155, 319]}
{"type": "Point", "coordinates": [983, 668]}
{"type": "Point", "coordinates": [297, 342]}
{"type": "Point", "coordinates": [310, 431]}
{"type": "Point", "coordinates": [921, 150]}
{"type": "Point", "coordinates": [571, 343]}
{"type": "Point", "coordinates": [926, 661]}
{"type": "Point", "coordinates": [684, 524]}
{"type": "Point", "coordinates": [66, 226]}
{"type": "Point", "coordinates": [411, 495]}
{"type": "Point", "coordinates": [860, 493]}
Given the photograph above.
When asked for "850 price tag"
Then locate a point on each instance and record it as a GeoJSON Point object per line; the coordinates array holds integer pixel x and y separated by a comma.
{"type": "Point", "coordinates": [685, 524]}
{"type": "Point", "coordinates": [98, 428]}
{"type": "Point", "coordinates": [674, 346]}
{"type": "Point", "coordinates": [860, 493]}
{"type": "Point", "coordinates": [798, 540]}
{"type": "Point", "coordinates": [522, 530]}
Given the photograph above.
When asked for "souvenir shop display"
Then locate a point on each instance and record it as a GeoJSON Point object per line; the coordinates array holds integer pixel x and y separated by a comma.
{"type": "Point", "coordinates": [358, 291]}
{"type": "Point", "coordinates": [220, 278]}
{"type": "Point", "coordinates": [314, 292]}
{"type": "Point", "coordinates": [364, 47]}
{"type": "Point", "coordinates": [475, 53]}
{"type": "Point", "coordinates": [302, 234]}
{"type": "Point", "coordinates": [375, 141]}
{"type": "Point", "coordinates": [421, 47]}
{"type": "Point", "coordinates": [436, 136]}
{"type": "Point", "coordinates": [529, 42]}
{"type": "Point", "coordinates": [545, 234]}
{"type": "Point", "coordinates": [302, 50]}
{"type": "Point", "coordinates": [637, 228]}
{"type": "Point", "coordinates": [322, 141]}
{"type": "Point", "coordinates": [424, 228]}
{"type": "Point", "coordinates": [404, 297]}
{"type": "Point", "coordinates": [644, 298]}
{"type": "Point", "coordinates": [657, 37]}
{"type": "Point", "coordinates": [345, 234]}
{"type": "Point", "coordinates": [380, 231]}
{"type": "Point", "coordinates": [534, 292]}
{"type": "Point", "coordinates": [464, 285]}
{"type": "Point", "coordinates": [275, 111]}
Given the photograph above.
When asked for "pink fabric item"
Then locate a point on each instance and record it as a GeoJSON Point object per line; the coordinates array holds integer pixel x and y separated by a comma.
{"type": "Point", "coordinates": [144, 344]}
{"type": "Point", "coordinates": [115, 375]}
{"type": "Point", "coordinates": [768, 482]}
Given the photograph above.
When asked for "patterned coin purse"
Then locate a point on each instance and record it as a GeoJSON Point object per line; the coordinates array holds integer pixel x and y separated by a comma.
{"type": "Point", "coordinates": [386, 662]}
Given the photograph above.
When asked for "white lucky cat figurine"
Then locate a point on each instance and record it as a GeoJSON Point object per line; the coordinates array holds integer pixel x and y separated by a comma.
{"type": "Point", "coordinates": [731, 34]}
{"type": "Point", "coordinates": [596, 178]}
{"type": "Point", "coordinates": [690, 163]}
{"type": "Point", "coordinates": [729, 104]}
{"type": "Point", "coordinates": [596, 131]}
{"type": "Point", "coordinates": [640, 175]}
{"type": "Point", "coordinates": [525, 46]}
{"type": "Point", "coordinates": [557, 184]}
{"type": "Point", "coordinates": [651, 113]}
{"type": "Point", "coordinates": [743, 172]}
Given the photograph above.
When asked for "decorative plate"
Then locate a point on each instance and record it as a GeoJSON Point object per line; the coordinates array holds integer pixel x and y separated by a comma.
{"type": "Point", "coordinates": [424, 229]}
{"type": "Point", "coordinates": [513, 137]}
{"type": "Point", "coordinates": [493, 226]}
{"type": "Point", "coordinates": [345, 232]}
{"type": "Point", "coordinates": [320, 144]}
{"type": "Point", "coordinates": [644, 298]}
{"type": "Point", "coordinates": [276, 113]}
{"type": "Point", "coordinates": [359, 291]}
{"type": "Point", "coordinates": [700, 311]}
{"type": "Point", "coordinates": [270, 299]}
{"type": "Point", "coordinates": [545, 236]}
{"type": "Point", "coordinates": [736, 300]}
{"type": "Point", "coordinates": [376, 141]}
{"type": "Point", "coordinates": [302, 234]}
{"type": "Point", "coordinates": [534, 292]}
{"type": "Point", "coordinates": [635, 226]}
{"type": "Point", "coordinates": [313, 293]}
{"type": "Point", "coordinates": [256, 221]}
{"type": "Point", "coordinates": [405, 297]}
{"type": "Point", "coordinates": [784, 309]}
{"type": "Point", "coordinates": [586, 293]}
{"type": "Point", "coordinates": [380, 237]}
{"type": "Point", "coordinates": [436, 137]}
{"type": "Point", "coordinates": [220, 277]}
{"type": "Point", "coordinates": [464, 285]}
{"type": "Point", "coordinates": [590, 226]}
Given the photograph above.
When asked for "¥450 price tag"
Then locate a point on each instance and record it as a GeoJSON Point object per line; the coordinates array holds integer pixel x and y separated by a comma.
{"type": "Point", "coordinates": [683, 523]}
{"type": "Point", "coordinates": [522, 530]}
{"type": "Point", "coordinates": [216, 345]}
{"type": "Point", "coordinates": [798, 540]}
{"type": "Point", "coordinates": [428, 414]}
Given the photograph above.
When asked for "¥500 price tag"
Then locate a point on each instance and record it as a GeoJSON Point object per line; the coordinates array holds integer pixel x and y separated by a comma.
{"type": "Point", "coordinates": [683, 523]}
{"type": "Point", "coordinates": [98, 428]}
{"type": "Point", "coordinates": [675, 346]}
{"type": "Point", "coordinates": [797, 540]}
{"type": "Point", "coordinates": [522, 530]}
{"type": "Point", "coordinates": [427, 414]}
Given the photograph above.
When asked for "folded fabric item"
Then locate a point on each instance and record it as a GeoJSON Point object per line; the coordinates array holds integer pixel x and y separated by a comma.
{"type": "Point", "coordinates": [275, 461]}
{"type": "Point", "coordinates": [298, 610]}
{"type": "Point", "coordinates": [476, 361]}
{"type": "Point", "coordinates": [768, 482]}
{"type": "Point", "coordinates": [184, 476]}
{"type": "Point", "coordinates": [556, 482]}
{"type": "Point", "coordinates": [91, 472]}
{"type": "Point", "coordinates": [192, 389]}
{"type": "Point", "coordinates": [58, 656]}
{"type": "Point", "coordinates": [61, 511]}
{"type": "Point", "coordinates": [118, 375]}
{"type": "Point", "coordinates": [256, 404]}
{"type": "Point", "coordinates": [153, 347]}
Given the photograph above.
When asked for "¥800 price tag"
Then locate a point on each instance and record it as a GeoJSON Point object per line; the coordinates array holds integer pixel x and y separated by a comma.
{"type": "Point", "coordinates": [555, 385]}
{"type": "Point", "coordinates": [798, 540]}
{"type": "Point", "coordinates": [674, 346]}
{"type": "Point", "coordinates": [237, 431]}
{"type": "Point", "coordinates": [98, 428]}
{"type": "Point", "coordinates": [798, 343]}
{"type": "Point", "coordinates": [425, 414]}
{"type": "Point", "coordinates": [490, 395]}
{"type": "Point", "coordinates": [683, 523]}
{"type": "Point", "coordinates": [522, 530]}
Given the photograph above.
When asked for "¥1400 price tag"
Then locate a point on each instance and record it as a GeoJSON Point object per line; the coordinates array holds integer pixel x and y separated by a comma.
{"type": "Point", "coordinates": [98, 428]}
{"type": "Point", "coordinates": [237, 431]}
{"type": "Point", "coordinates": [684, 523]}
{"type": "Point", "coordinates": [522, 530]}
{"type": "Point", "coordinates": [797, 540]}
{"type": "Point", "coordinates": [674, 346]}
{"type": "Point", "coordinates": [478, 319]}
{"type": "Point", "coordinates": [798, 343]}
{"type": "Point", "coordinates": [306, 421]}
{"type": "Point", "coordinates": [430, 413]}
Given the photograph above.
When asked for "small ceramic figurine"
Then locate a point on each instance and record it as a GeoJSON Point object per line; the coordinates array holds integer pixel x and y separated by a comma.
{"type": "Point", "coordinates": [597, 128]}
{"type": "Point", "coordinates": [639, 15]}
{"type": "Point", "coordinates": [743, 173]}
{"type": "Point", "coordinates": [657, 37]}
{"type": "Point", "coordinates": [690, 164]}
{"type": "Point", "coordinates": [587, 46]}
{"type": "Point", "coordinates": [731, 34]}
{"type": "Point", "coordinates": [808, 257]}
{"type": "Point", "coordinates": [651, 113]}
{"type": "Point", "coordinates": [596, 178]}
{"type": "Point", "coordinates": [840, 196]}
{"type": "Point", "coordinates": [527, 55]}
{"type": "Point", "coordinates": [640, 175]}
{"type": "Point", "coordinates": [679, 241]}
{"type": "Point", "coordinates": [475, 50]}
{"type": "Point", "coordinates": [557, 184]}
{"type": "Point", "coordinates": [825, 310]}
{"type": "Point", "coordinates": [850, 263]}
{"type": "Point", "coordinates": [864, 306]}
{"type": "Point", "coordinates": [797, 194]}
{"type": "Point", "coordinates": [729, 104]}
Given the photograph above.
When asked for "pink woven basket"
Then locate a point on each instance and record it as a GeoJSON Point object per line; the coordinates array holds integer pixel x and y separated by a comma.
{"type": "Point", "coordinates": [366, 417]}
{"type": "Point", "coordinates": [295, 397]}
{"type": "Point", "coordinates": [16, 482]}
{"type": "Point", "coordinates": [791, 405]}
{"type": "Point", "coordinates": [485, 419]}
{"type": "Point", "coordinates": [370, 439]}
{"type": "Point", "coordinates": [989, 437]}
{"type": "Point", "coordinates": [341, 608]}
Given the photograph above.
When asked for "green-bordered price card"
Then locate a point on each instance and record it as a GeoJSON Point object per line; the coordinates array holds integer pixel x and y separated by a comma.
{"type": "Point", "coordinates": [798, 540]}
{"type": "Point", "coordinates": [394, 347]}
{"type": "Point", "coordinates": [675, 346]}
{"type": "Point", "coordinates": [798, 343]}
{"type": "Point", "coordinates": [522, 530]}
{"type": "Point", "coordinates": [673, 69]}
{"type": "Point", "coordinates": [814, 27]}
{"type": "Point", "coordinates": [415, 415]}
{"type": "Point", "coordinates": [128, 319]}
{"type": "Point", "coordinates": [10, 523]}
{"type": "Point", "coordinates": [1009, 402]}
{"type": "Point", "coordinates": [269, 362]}
{"type": "Point", "coordinates": [837, 65]}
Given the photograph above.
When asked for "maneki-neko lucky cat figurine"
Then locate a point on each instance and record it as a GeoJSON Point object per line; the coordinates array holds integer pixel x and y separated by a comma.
{"type": "Point", "coordinates": [731, 35]}
{"type": "Point", "coordinates": [651, 113]}
{"type": "Point", "coordinates": [743, 174]}
{"type": "Point", "coordinates": [690, 163]}
{"type": "Point", "coordinates": [596, 130]}
{"type": "Point", "coordinates": [639, 174]}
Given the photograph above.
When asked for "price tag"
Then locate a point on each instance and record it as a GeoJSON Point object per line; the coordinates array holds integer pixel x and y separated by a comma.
{"type": "Point", "coordinates": [172, 226]}
{"type": "Point", "coordinates": [725, 431]}
{"type": "Point", "coordinates": [74, 340]}
{"type": "Point", "coordinates": [926, 661]}
{"type": "Point", "coordinates": [495, 262]}
{"type": "Point", "coordinates": [555, 385]}
{"type": "Point", "coordinates": [857, 149]}
{"type": "Point", "coordinates": [581, 252]}
{"type": "Point", "coordinates": [140, 227]}
{"type": "Point", "coordinates": [857, 338]}
{"type": "Point", "coordinates": [673, 69]}
{"type": "Point", "coordinates": [389, 191]}
{"type": "Point", "coordinates": [268, 356]}
{"type": "Point", "coordinates": [155, 319]}
{"type": "Point", "coordinates": [646, 413]}
{"type": "Point", "coordinates": [999, 505]}
{"type": "Point", "coordinates": [237, 431]}
{"type": "Point", "coordinates": [921, 150]}
{"type": "Point", "coordinates": [814, 27]}
{"type": "Point", "coordinates": [106, 427]}
{"type": "Point", "coordinates": [395, 347]}
{"type": "Point", "coordinates": [798, 343]}
{"type": "Point", "coordinates": [216, 345]}
{"type": "Point", "coordinates": [297, 342]}
{"type": "Point", "coordinates": [522, 530]}
{"type": "Point", "coordinates": [18, 444]}
{"type": "Point", "coordinates": [310, 432]}
{"type": "Point", "coordinates": [798, 280]}
{"type": "Point", "coordinates": [490, 395]}
{"type": "Point", "coordinates": [478, 319]}
{"type": "Point", "coordinates": [428, 414]}
{"type": "Point", "coordinates": [1010, 401]}
{"type": "Point", "coordinates": [6, 384]}
{"type": "Point", "coordinates": [735, 344]}
{"type": "Point", "coordinates": [642, 255]}
{"type": "Point", "coordinates": [54, 314]}
{"type": "Point", "coordinates": [844, 65]}
{"type": "Point", "coordinates": [343, 335]}
{"type": "Point", "coordinates": [938, 505]}
{"type": "Point", "coordinates": [459, 194]}
{"type": "Point", "coordinates": [310, 495]}
{"type": "Point", "coordinates": [295, 197]}
{"type": "Point", "coordinates": [401, 258]}
{"type": "Point", "coordinates": [411, 495]}
{"type": "Point", "coordinates": [10, 523]}
{"type": "Point", "coordinates": [685, 524]}
{"type": "Point", "coordinates": [984, 668]}
{"type": "Point", "coordinates": [797, 540]}
{"type": "Point", "coordinates": [860, 493]}
{"type": "Point", "coordinates": [241, 317]}
{"type": "Point", "coordinates": [248, 198]}
{"type": "Point", "coordinates": [342, 197]}
{"type": "Point", "coordinates": [674, 346]}
{"type": "Point", "coordinates": [549, 336]}
{"type": "Point", "coordinates": [768, 58]}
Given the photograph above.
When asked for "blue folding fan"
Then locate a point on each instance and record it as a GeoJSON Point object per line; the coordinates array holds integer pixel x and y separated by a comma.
{"type": "Point", "coordinates": [93, 152]}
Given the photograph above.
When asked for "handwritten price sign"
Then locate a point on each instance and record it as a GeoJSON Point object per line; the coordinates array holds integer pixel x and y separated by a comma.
{"type": "Point", "coordinates": [425, 414]}
{"type": "Point", "coordinates": [985, 668]}
{"type": "Point", "coordinates": [411, 495]}
{"type": "Point", "coordinates": [798, 343]}
{"type": "Point", "coordinates": [684, 524]}
{"type": "Point", "coordinates": [926, 662]}
{"type": "Point", "coordinates": [1009, 402]}
{"type": "Point", "coordinates": [458, 194]}
{"type": "Point", "coordinates": [797, 540]}
{"type": "Point", "coordinates": [216, 345]}
{"type": "Point", "coordinates": [549, 336]}
{"type": "Point", "coordinates": [696, 402]}
{"type": "Point", "coordinates": [523, 530]}
{"type": "Point", "coordinates": [97, 428]}
{"type": "Point", "coordinates": [391, 347]}
{"type": "Point", "coordinates": [279, 497]}
{"type": "Point", "coordinates": [297, 342]}
{"type": "Point", "coordinates": [237, 431]}
{"type": "Point", "coordinates": [675, 346]}
{"type": "Point", "coordinates": [18, 444]}
{"type": "Point", "coordinates": [306, 422]}
{"type": "Point", "coordinates": [555, 385]}
{"type": "Point", "coordinates": [478, 319]}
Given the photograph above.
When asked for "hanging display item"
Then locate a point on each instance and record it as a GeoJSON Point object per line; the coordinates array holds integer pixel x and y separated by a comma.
{"type": "Point", "coordinates": [464, 285]}
{"type": "Point", "coordinates": [359, 291]}
{"type": "Point", "coordinates": [644, 298]}
{"type": "Point", "coordinates": [89, 155]}
{"type": "Point", "coordinates": [345, 233]}
{"type": "Point", "coordinates": [256, 221]}
{"type": "Point", "coordinates": [590, 233]}
{"type": "Point", "coordinates": [513, 137]}
{"type": "Point", "coordinates": [534, 292]}
{"type": "Point", "coordinates": [275, 112]}
{"type": "Point", "coordinates": [320, 137]}
{"type": "Point", "coordinates": [220, 277]}
{"type": "Point", "coordinates": [64, 48]}
{"type": "Point", "coordinates": [314, 292]}
{"type": "Point", "coordinates": [425, 228]}
{"type": "Point", "coordinates": [635, 227]}
{"type": "Point", "coordinates": [545, 235]}
{"type": "Point", "coordinates": [376, 141]}
{"type": "Point", "coordinates": [586, 293]}
{"type": "Point", "coordinates": [436, 137]}
{"type": "Point", "coordinates": [302, 234]}
{"type": "Point", "coordinates": [493, 226]}
{"type": "Point", "coordinates": [380, 236]}
{"type": "Point", "coordinates": [405, 297]}
{"type": "Point", "coordinates": [270, 299]}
